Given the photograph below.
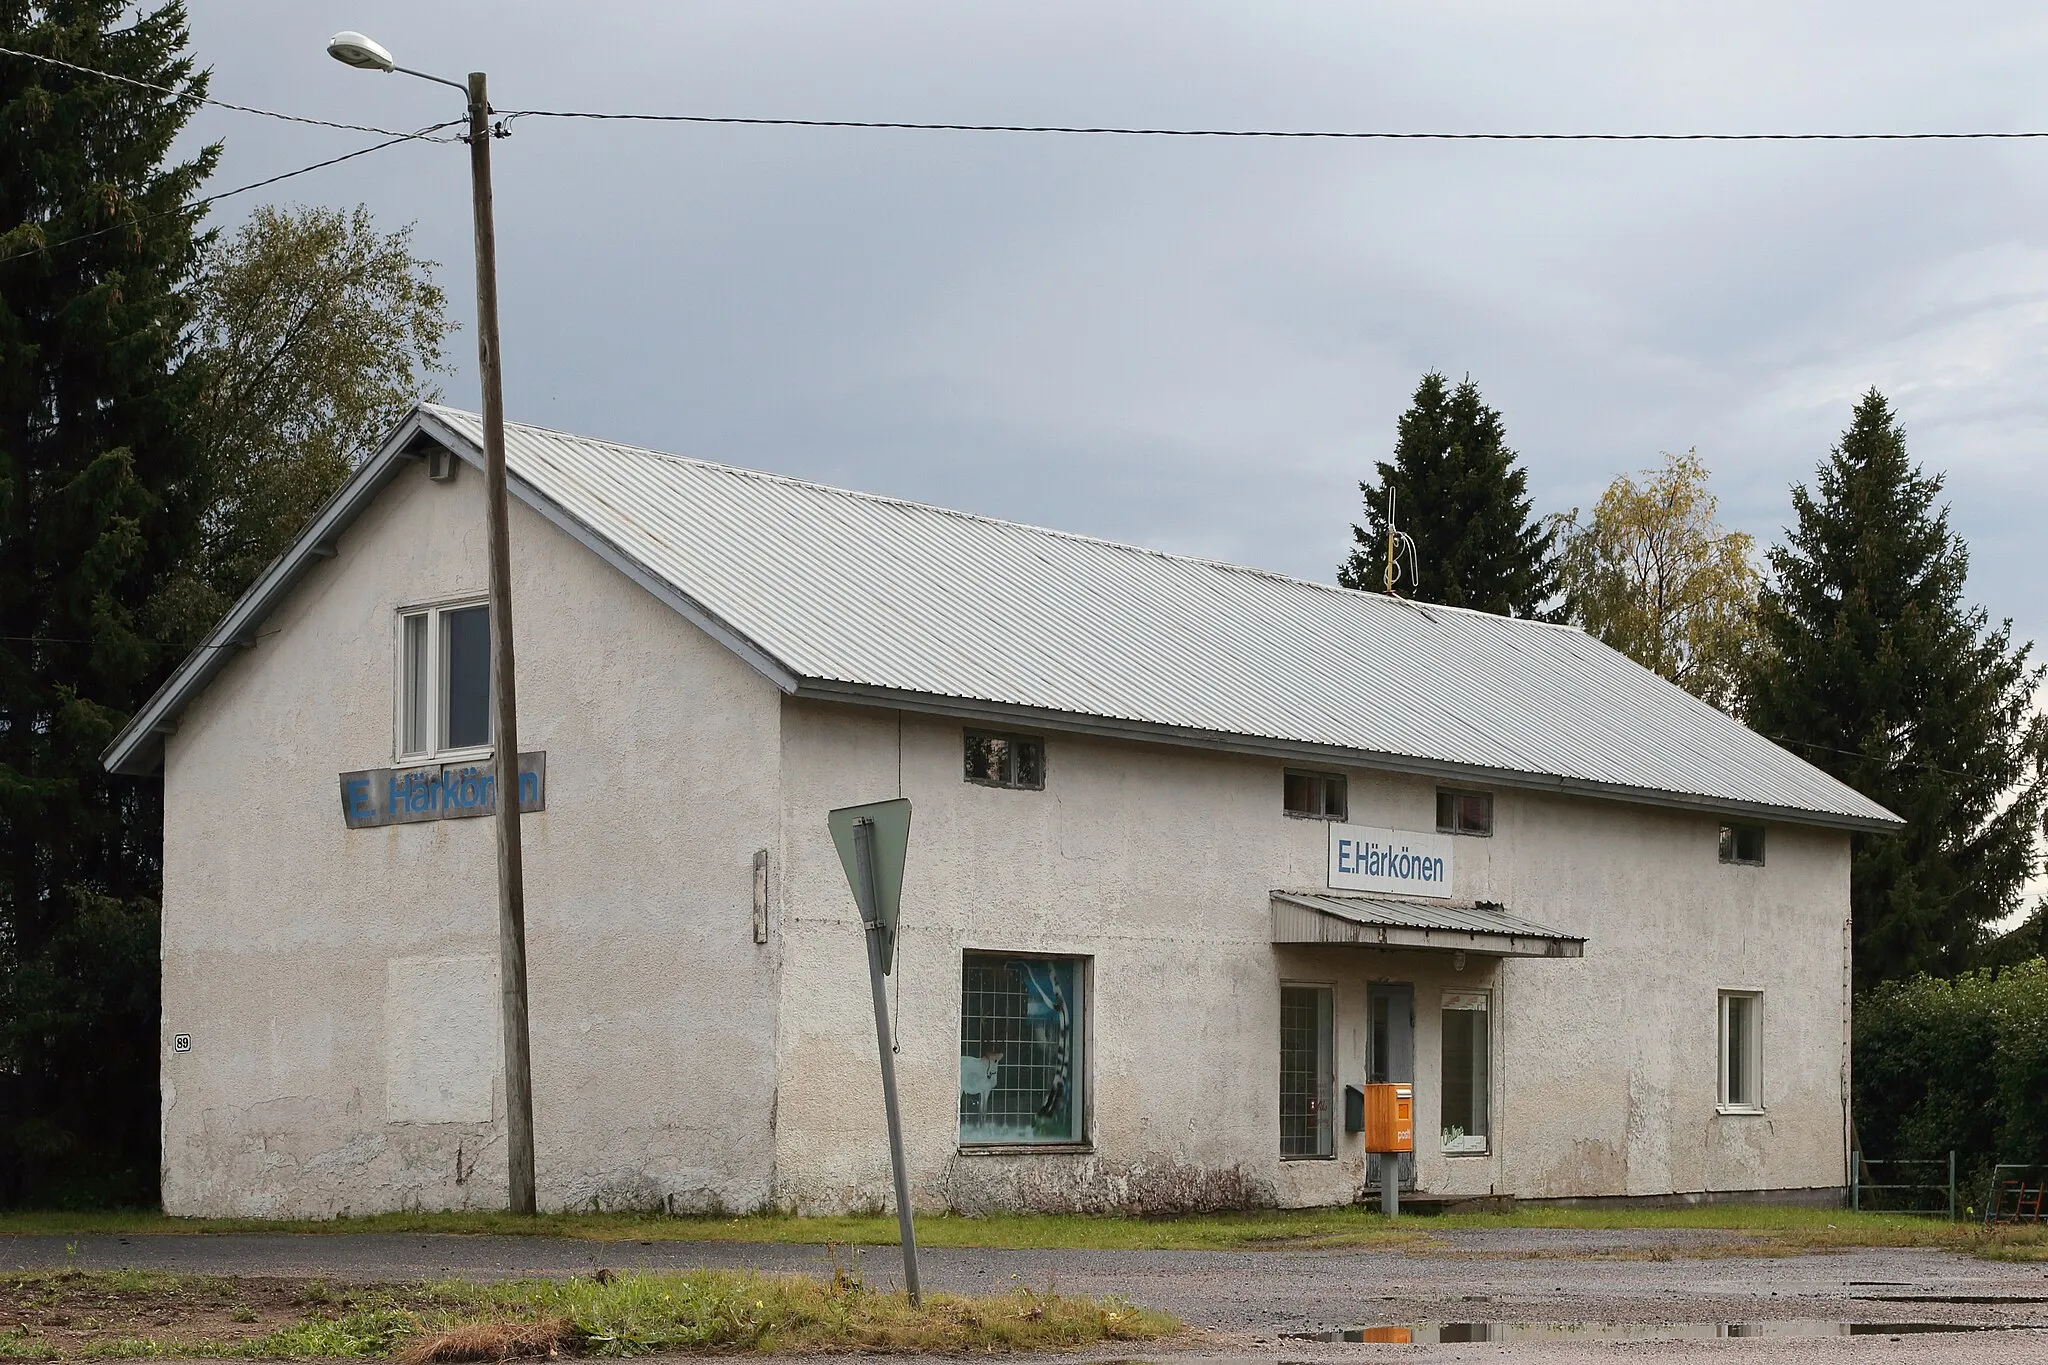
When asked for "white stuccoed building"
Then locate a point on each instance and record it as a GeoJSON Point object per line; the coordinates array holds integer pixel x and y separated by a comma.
{"type": "Point", "coordinates": [1196, 849]}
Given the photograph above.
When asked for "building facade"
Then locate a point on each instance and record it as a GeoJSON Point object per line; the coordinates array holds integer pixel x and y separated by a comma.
{"type": "Point", "coordinates": [1194, 850]}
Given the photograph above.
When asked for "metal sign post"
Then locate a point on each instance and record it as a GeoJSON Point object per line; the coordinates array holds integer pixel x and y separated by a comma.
{"type": "Point", "coordinates": [872, 841]}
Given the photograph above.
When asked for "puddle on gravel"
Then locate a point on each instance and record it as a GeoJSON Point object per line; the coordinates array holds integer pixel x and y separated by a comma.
{"type": "Point", "coordinates": [1448, 1333]}
{"type": "Point", "coordinates": [1950, 1298]}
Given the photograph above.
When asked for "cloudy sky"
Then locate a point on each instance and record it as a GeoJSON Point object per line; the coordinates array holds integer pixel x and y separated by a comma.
{"type": "Point", "coordinates": [1203, 345]}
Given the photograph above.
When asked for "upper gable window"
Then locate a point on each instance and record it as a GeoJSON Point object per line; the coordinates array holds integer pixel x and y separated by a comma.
{"type": "Point", "coordinates": [1743, 844]}
{"type": "Point", "coordinates": [1005, 760]}
{"type": "Point", "coordinates": [1464, 812]}
{"type": "Point", "coordinates": [444, 681]}
{"type": "Point", "coordinates": [1319, 796]}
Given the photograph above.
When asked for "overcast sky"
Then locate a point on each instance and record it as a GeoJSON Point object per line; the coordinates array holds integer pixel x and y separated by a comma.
{"type": "Point", "coordinates": [1200, 345]}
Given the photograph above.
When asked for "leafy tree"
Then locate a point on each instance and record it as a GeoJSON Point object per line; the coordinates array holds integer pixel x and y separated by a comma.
{"type": "Point", "coordinates": [1463, 499]}
{"type": "Point", "coordinates": [1653, 574]}
{"type": "Point", "coordinates": [100, 491]}
{"type": "Point", "coordinates": [315, 333]}
{"type": "Point", "coordinates": [1874, 669]}
{"type": "Point", "coordinates": [1955, 1065]}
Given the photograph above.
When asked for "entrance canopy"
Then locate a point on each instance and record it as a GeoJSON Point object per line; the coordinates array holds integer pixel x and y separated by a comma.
{"type": "Point", "coordinates": [1402, 922]}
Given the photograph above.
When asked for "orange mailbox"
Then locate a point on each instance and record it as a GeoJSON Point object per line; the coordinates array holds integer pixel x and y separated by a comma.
{"type": "Point", "coordinates": [1389, 1118]}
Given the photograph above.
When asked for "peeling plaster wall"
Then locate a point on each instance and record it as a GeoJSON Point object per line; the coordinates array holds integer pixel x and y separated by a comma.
{"type": "Point", "coordinates": [1155, 862]}
{"type": "Point", "coordinates": [330, 979]}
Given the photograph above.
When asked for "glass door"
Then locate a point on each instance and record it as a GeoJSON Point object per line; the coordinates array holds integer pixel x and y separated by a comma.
{"type": "Point", "coordinates": [1390, 1057]}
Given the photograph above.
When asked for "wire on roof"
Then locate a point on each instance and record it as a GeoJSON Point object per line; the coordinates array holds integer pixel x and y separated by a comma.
{"type": "Point", "coordinates": [1857, 753]}
{"type": "Point", "coordinates": [422, 136]}
{"type": "Point", "coordinates": [1283, 133]}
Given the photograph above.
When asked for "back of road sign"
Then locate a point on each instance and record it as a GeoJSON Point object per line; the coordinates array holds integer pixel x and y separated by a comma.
{"type": "Point", "coordinates": [877, 886]}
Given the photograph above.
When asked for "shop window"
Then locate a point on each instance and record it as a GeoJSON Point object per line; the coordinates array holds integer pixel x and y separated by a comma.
{"type": "Point", "coordinates": [1465, 1071]}
{"type": "Point", "coordinates": [444, 685]}
{"type": "Point", "coordinates": [1318, 796]}
{"type": "Point", "coordinates": [1742, 1050]}
{"type": "Point", "coordinates": [1022, 1026]}
{"type": "Point", "coordinates": [1005, 760]}
{"type": "Point", "coordinates": [1307, 1073]}
{"type": "Point", "coordinates": [1464, 812]}
{"type": "Point", "coordinates": [1743, 844]}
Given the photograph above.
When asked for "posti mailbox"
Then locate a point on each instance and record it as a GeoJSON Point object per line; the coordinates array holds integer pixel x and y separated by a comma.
{"type": "Point", "coordinates": [1389, 1118]}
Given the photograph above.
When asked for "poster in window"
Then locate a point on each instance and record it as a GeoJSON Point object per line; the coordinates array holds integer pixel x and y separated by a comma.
{"type": "Point", "coordinates": [1020, 1050]}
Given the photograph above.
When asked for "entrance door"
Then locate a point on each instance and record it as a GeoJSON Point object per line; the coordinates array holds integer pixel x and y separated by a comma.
{"type": "Point", "coordinates": [1390, 1056]}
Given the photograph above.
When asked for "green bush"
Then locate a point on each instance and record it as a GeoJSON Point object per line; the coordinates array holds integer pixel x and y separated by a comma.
{"type": "Point", "coordinates": [1955, 1065]}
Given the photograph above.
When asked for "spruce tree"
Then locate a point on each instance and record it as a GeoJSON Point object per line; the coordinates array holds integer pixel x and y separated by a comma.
{"type": "Point", "coordinates": [99, 496]}
{"type": "Point", "coordinates": [1462, 497]}
{"type": "Point", "coordinates": [1875, 669]}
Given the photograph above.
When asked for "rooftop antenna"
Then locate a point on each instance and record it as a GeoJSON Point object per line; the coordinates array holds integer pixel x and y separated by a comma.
{"type": "Point", "coordinates": [1398, 543]}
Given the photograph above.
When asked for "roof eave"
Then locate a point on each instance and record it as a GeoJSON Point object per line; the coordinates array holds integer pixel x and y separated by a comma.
{"type": "Point", "coordinates": [138, 749]}
{"type": "Point", "coordinates": [969, 708]}
{"type": "Point", "coordinates": [684, 605]}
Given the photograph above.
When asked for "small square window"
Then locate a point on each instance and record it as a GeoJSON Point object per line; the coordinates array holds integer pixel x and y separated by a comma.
{"type": "Point", "coordinates": [1464, 812]}
{"type": "Point", "coordinates": [444, 684]}
{"type": "Point", "coordinates": [1742, 1050]}
{"type": "Point", "coordinates": [1022, 1027]}
{"type": "Point", "coordinates": [1318, 796]}
{"type": "Point", "coordinates": [1742, 844]}
{"type": "Point", "coordinates": [1005, 760]}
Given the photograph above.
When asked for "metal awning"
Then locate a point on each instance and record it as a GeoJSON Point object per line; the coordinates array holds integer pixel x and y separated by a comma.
{"type": "Point", "coordinates": [1401, 922]}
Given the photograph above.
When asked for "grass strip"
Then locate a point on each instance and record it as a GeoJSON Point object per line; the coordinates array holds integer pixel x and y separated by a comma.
{"type": "Point", "coordinates": [1765, 1229]}
{"type": "Point", "coordinates": [79, 1315]}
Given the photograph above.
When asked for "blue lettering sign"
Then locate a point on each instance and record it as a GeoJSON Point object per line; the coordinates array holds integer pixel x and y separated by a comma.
{"type": "Point", "coordinates": [1391, 861]}
{"type": "Point", "coordinates": [395, 796]}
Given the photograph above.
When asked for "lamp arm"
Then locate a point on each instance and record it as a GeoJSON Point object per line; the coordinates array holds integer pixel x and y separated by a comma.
{"type": "Point", "coordinates": [438, 80]}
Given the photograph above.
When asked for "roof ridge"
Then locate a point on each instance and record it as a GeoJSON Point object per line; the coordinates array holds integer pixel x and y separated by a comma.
{"type": "Point", "coordinates": [889, 500]}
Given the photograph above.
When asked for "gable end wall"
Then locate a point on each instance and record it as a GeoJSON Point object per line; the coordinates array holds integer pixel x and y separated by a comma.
{"type": "Point", "coordinates": [339, 986]}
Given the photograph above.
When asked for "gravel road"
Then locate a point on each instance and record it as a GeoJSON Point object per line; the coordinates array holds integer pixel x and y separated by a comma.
{"type": "Point", "coordinates": [1254, 1304]}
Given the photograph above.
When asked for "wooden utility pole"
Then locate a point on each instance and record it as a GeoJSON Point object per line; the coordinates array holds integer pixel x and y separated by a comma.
{"type": "Point", "coordinates": [505, 720]}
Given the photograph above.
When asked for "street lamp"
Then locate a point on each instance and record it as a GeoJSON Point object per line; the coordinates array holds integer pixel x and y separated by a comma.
{"type": "Point", "coordinates": [353, 49]}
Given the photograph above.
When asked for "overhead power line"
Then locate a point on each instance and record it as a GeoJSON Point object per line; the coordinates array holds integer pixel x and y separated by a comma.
{"type": "Point", "coordinates": [221, 104]}
{"type": "Point", "coordinates": [228, 194]}
{"type": "Point", "coordinates": [1067, 129]}
{"type": "Point", "coordinates": [1282, 133]}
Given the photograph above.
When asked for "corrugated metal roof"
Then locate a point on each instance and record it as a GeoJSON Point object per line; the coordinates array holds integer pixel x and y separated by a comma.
{"type": "Point", "coordinates": [856, 597]}
{"type": "Point", "coordinates": [1400, 912]}
{"type": "Point", "coordinates": [867, 592]}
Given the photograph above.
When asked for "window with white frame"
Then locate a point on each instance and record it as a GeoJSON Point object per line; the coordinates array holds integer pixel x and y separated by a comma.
{"type": "Point", "coordinates": [1308, 1072]}
{"type": "Point", "coordinates": [1022, 1069]}
{"type": "Point", "coordinates": [1742, 1050]}
{"type": "Point", "coordinates": [1465, 1071]}
{"type": "Point", "coordinates": [444, 681]}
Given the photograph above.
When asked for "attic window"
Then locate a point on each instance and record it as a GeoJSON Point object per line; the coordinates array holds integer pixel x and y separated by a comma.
{"type": "Point", "coordinates": [1313, 796]}
{"type": "Point", "coordinates": [1743, 844]}
{"type": "Point", "coordinates": [444, 685]}
{"type": "Point", "coordinates": [1005, 760]}
{"type": "Point", "coordinates": [1464, 812]}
